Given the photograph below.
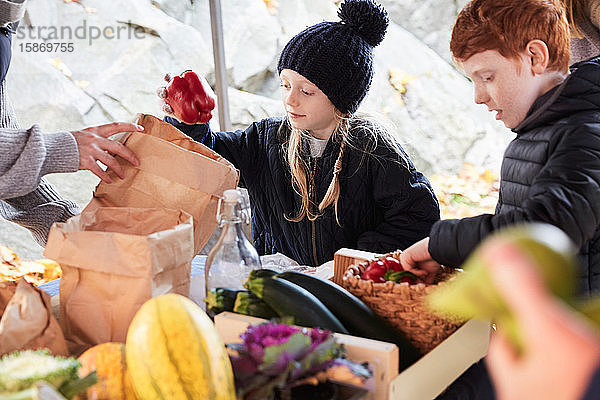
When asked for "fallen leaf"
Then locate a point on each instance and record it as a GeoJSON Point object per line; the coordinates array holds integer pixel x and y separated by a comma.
{"type": "Point", "coordinates": [399, 79]}
{"type": "Point", "coordinates": [61, 66]}
{"type": "Point", "coordinates": [12, 268]}
{"type": "Point", "coordinates": [272, 6]}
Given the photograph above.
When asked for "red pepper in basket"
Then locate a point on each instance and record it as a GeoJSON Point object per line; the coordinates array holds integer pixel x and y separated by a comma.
{"type": "Point", "coordinates": [374, 272]}
{"type": "Point", "coordinates": [191, 100]}
{"type": "Point", "coordinates": [393, 264]}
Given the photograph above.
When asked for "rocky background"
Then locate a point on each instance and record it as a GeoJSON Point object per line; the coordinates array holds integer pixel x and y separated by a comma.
{"type": "Point", "coordinates": [122, 48]}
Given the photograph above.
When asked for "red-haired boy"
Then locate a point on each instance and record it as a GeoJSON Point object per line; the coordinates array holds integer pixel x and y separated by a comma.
{"type": "Point", "coordinates": [516, 52]}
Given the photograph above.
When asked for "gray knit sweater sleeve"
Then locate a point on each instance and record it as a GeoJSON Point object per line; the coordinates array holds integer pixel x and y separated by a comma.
{"type": "Point", "coordinates": [27, 155]}
{"type": "Point", "coordinates": [11, 10]}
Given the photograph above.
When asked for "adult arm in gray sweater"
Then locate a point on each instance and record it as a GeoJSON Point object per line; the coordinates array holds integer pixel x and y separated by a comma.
{"type": "Point", "coordinates": [27, 155]}
{"type": "Point", "coordinates": [28, 200]}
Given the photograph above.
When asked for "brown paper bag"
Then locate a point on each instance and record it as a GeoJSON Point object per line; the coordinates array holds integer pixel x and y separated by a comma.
{"type": "Point", "coordinates": [26, 320]}
{"type": "Point", "coordinates": [113, 260]}
{"type": "Point", "coordinates": [175, 172]}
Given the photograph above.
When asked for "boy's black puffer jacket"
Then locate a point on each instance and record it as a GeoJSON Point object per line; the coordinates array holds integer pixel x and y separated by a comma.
{"type": "Point", "coordinates": [383, 204]}
{"type": "Point", "coordinates": [550, 173]}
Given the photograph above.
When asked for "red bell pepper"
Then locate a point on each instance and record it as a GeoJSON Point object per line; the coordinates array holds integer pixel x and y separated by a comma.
{"type": "Point", "coordinates": [393, 264]}
{"type": "Point", "coordinates": [191, 99]}
{"type": "Point", "coordinates": [374, 272]}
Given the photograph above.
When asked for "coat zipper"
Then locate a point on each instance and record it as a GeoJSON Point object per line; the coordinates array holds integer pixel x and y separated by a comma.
{"type": "Point", "coordinates": [314, 242]}
{"type": "Point", "coordinates": [314, 228]}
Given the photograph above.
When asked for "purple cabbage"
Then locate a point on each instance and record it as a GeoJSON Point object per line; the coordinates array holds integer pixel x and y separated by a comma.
{"type": "Point", "coordinates": [274, 355]}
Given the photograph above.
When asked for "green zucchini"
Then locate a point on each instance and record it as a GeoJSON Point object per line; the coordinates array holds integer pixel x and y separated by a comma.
{"type": "Point", "coordinates": [359, 319]}
{"type": "Point", "coordinates": [221, 299]}
{"type": "Point", "coordinates": [289, 299]}
{"type": "Point", "coordinates": [247, 303]}
{"type": "Point", "coordinates": [261, 273]}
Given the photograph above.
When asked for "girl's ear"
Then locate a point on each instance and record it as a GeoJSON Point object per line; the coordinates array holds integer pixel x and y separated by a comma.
{"type": "Point", "coordinates": [538, 55]}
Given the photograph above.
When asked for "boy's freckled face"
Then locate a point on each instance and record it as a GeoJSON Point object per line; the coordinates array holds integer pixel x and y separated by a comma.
{"type": "Point", "coordinates": [306, 105]}
{"type": "Point", "coordinates": [506, 86]}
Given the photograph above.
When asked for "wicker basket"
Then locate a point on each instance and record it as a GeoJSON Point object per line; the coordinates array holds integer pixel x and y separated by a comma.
{"type": "Point", "coordinates": [402, 305]}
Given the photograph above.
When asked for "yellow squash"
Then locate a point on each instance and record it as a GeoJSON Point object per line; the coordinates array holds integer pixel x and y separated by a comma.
{"type": "Point", "coordinates": [174, 352]}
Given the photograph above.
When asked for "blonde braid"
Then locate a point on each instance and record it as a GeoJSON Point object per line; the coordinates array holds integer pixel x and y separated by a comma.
{"type": "Point", "coordinates": [333, 191]}
{"type": "Point", "coordinates": [298, 171]}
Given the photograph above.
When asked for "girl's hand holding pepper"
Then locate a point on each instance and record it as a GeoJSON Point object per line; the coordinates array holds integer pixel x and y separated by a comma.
{"type": "Point", "coordinates": [188, 98]}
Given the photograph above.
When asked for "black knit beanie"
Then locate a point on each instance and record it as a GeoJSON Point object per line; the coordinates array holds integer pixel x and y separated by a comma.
{"type": "Point", "coordinates": [338, 56]}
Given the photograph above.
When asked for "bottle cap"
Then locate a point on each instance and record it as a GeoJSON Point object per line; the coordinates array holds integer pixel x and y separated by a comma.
{"type": "Point", "coordinates": [232, 195]}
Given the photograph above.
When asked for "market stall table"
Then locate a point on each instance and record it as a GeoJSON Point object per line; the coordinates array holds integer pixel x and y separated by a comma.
{"type": "Point", "coordinates": [439, 368]}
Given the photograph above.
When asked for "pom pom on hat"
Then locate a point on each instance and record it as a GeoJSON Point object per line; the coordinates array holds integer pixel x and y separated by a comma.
{"type": "Point", "coordinates": [368, 19]}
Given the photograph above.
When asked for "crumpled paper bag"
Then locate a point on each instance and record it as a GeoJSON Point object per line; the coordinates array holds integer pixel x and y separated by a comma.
{"type": "Point", "coordinates": [175, 172]}
{"type": "Point", "coordinates": [26, 320]}
{"type": "Point", "coordinates": [113, 260]}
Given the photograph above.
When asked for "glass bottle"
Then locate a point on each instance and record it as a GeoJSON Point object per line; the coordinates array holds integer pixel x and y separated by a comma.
{"type": "Point", "coordinates": [232, 258]}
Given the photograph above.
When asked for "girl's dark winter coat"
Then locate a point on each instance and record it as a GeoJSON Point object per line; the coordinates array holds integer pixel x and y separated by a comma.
{"type": "Point", "coordinates": [385, 203]}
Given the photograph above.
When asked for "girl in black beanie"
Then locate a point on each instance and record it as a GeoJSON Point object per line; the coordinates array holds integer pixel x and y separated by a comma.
{"type": "Point", "coordinates": [324, 177]}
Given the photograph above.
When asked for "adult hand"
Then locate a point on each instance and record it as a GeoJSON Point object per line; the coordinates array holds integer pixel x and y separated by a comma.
{"type": "Point", "coordinates": [94, 146]}
{"type": "Point", "coordinates": [561, 351]}
{"type": "Point", "coordinates": [417, 260]}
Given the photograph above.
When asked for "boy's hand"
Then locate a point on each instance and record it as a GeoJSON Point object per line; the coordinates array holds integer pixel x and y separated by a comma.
{"type": "Point", "coordinates": [561, 351]}
{"type": "Point", "coordinates": [417, 260]}
{"type": "Point", "coordinates": [187, 97]}
{"type": "Point", "coordinates": [94, 146]}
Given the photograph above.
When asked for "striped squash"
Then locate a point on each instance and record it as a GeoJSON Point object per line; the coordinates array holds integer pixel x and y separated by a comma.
{"type": "Point", "coordinates": [108, 360]}
{"type": "Point", "coordinates": [174, 352]}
